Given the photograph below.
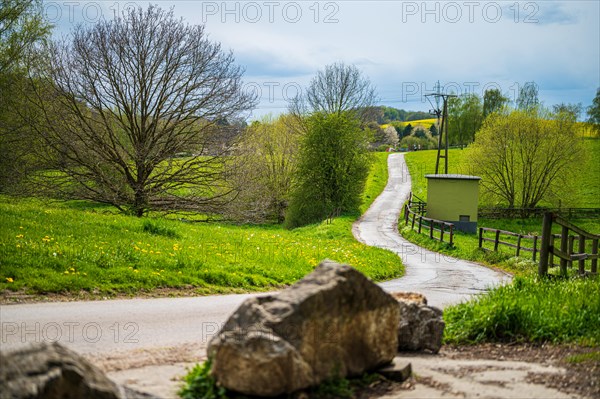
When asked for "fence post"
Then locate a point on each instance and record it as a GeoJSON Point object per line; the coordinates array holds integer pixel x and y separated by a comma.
{"type": "Point", "coordinates": [420, 223]}
{"type": "Point", "coordinates": [595, 252]}
{"type": "Point", "coordinates": [564, 247]}
{"type": "Point", "coordinates": [406, 214]}
{"type": "Point", "coordinates": [431, 230]}
{"type": "Point", "coordinates": [535, 240]}
{"type": "Point", "coordinates": [497, 240]}
{"type": "Point", "coordinates": [581, 250]}
{"type": "Point", "coordinates": [545, 244]}
{"type": "Point", "coordinates": [442, 232]}
{"type": "Point", "coordinates": [481, 237]}
{"type": "Point", "coordinates": [519, 245]}
{"type": "Point", "coordinates": [452, 235]}
{"type": "Point", "coordinates": [571, 247]}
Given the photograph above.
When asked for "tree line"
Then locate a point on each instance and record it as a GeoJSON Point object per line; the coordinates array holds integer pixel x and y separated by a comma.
{"type": "Point", "coordinates": [145, 113]}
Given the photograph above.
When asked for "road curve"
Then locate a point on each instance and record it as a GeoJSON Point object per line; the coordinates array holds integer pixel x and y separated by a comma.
{"type": "Point", "coordinates": [442, 279]}
{"type": "Point", "coordinates": [130, 325]}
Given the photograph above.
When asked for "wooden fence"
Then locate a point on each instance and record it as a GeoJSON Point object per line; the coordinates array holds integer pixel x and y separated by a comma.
{"type": "Point", "coordinates": [414, 212]}
{"type": "Point", "coordinates": [513, 213]}
{"type": "Point", "coordinates": [566, 253]}
{"type": "Point", "coordinates": [519, 245]}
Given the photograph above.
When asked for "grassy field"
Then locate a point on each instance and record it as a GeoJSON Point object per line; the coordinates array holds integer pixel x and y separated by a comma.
{"type": "Point", "coordinates": [529, 309]}
{"type": "Point", "coordinates": [74, 247]}
{"type": "Point", "coordinates": [466, 245]}
{"type": "Point", "coordinates": [421, 163]}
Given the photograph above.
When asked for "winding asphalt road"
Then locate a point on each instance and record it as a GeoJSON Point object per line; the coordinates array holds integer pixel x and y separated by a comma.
{"type": "Point", "coordinates": [101, 327]}
{"type": "Point", "coordinates": [442, 279]}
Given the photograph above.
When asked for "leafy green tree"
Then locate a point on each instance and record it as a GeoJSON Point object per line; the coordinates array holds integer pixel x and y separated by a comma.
{"type": "Point", "coordinates": [433, 130]}
{"type": "Point", "coordinates": [465, 115]}
{"type": "Point", "coordinates": [408, 129]}
{"type": "Point", "coordinates": [333, 167]}
{"type": "Point", "coordinates": [528, 97]}
{"type": "Point", "coordinates": [526, 157]}
{"type": "Point", "coordinates": [266, 160]}
{"type": "Point", "coordinates": [22, 29]}
{"type": "Point", "coordinates": [571, 110]}
{"type": "Point", "coordinates": [593, 112]}
{"type": "Point", "coordinates": [420, 133]}
{"type": "Point", "coordinates": [493, 101]}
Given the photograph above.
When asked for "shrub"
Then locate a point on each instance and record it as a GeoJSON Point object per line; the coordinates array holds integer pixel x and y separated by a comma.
{"type": "Point", "coordinates": [199, 384]}
{"type": "Point", "coordinates": [332, 171]}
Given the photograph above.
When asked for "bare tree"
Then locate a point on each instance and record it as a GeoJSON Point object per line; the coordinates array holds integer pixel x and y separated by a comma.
{"type": "Point", "coordinates": [136, 113]}
{"type": "Point", "coordinates": [337, 89]}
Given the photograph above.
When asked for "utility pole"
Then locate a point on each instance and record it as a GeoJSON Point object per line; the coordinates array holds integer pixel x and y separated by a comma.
{"type": "Point", "coordinates": [443, 128]}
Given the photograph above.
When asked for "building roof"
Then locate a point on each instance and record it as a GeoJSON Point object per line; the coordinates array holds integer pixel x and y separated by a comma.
{"type": "Point", "coordinates": [453, 177]}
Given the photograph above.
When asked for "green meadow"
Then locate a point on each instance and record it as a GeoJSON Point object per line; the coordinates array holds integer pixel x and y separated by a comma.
{"type": "Point", "coordinates": [80, 248]}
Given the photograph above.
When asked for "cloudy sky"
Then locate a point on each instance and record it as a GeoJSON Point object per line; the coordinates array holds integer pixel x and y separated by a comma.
{"type": "Point", "coordinates": [404, 47]}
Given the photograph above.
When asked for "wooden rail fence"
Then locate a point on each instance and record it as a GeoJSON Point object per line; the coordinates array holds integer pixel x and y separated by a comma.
{"type": "Point", "coordinates": [513, 213]}
{"type": "Point", "coordinates": [501, 234]}
{"type": "Point", "coordinates": [414, 212]}
{"type": "Point", "coordinates": [566, 253]}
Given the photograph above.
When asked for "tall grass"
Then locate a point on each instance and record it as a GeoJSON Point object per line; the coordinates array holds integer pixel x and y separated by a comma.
{"type": "Point", "coordinates": [529, 310]}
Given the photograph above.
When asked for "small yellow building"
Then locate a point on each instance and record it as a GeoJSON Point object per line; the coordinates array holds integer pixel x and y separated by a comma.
{"type": "Point", "coordinates": [454, 199]}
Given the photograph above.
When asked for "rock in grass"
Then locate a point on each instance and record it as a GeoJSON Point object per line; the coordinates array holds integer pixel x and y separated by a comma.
{"type": "Point", "coordinates": [333, 322]}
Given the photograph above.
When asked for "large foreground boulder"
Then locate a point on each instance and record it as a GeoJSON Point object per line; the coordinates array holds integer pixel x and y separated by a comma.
{"type": "Point", "coordinates": [421, 327]}
{"type": "Point", "coordinates": [333, 322]}
{"type": "Point", "coordinates": [51, 371]}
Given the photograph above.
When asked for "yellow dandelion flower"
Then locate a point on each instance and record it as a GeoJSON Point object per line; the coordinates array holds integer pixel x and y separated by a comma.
{"type": "Point", "coordinates": [179, 272]}
{"type": "Point", "coordinates": [72, 269]}
{"type": "Point", "coordinates": [9, 280]}
{"type": "Point", "coordinates": [136, 271]}
{"type": "Point", "coordinates": [66, 272]}
{"type": "Point", "coordinates": [20, 236]}
{"type": "Point", "coordinates": [143, 250]}
{"type": "Point", "coordinates": [18, 245]}
{"type": "Point", "coordinates": [151, 251]}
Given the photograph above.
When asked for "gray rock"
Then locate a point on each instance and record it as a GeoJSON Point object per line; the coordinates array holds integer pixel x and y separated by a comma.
{"type": "Point", "coordinates": [399, 371]}
{"type": "Point", "coordinates": [49, 370]}
{"type": "Point", "coordinates": [421, 327]}
{"type": "Point", "coordinates": [334, 321]}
